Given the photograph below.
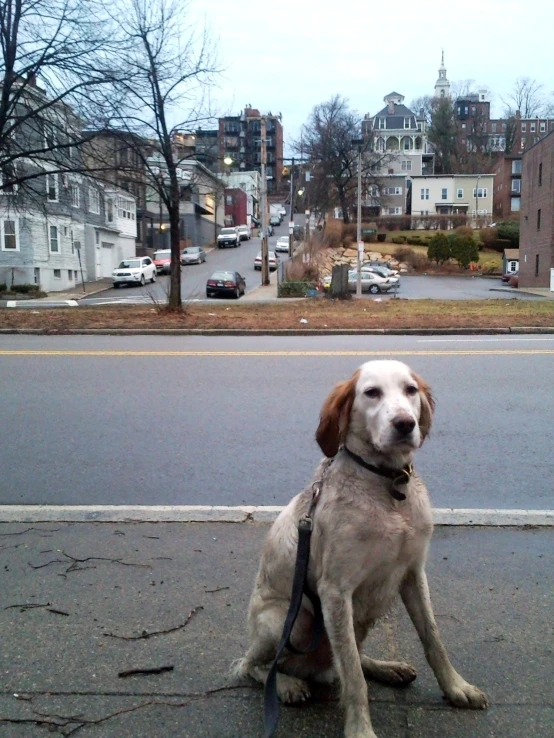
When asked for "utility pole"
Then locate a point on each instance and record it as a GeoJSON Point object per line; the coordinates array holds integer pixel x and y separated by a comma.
{"type": "Point", "coordinates": [291, 230]}
{"type": "Point", "coordinates": [359, 226]}
{"type": "Point", "coordinates": [265, 245]}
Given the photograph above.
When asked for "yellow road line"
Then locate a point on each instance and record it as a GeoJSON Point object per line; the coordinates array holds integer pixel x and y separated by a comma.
{"type": "Point", "coordinates": [178, 354]}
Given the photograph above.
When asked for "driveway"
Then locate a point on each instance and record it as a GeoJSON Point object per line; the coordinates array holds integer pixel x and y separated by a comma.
{"type": "Point", "coordinates": [453, 288]}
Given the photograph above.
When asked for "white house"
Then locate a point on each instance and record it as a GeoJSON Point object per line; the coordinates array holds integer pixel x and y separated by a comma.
{"type": "Point", "coordinates": [110, 238]}
{"type": "Point", "coordinates": [453, 194]}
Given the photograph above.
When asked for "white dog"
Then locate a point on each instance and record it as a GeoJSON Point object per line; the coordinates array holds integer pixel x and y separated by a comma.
{"type": "Point", "coordinates": [367, 546]}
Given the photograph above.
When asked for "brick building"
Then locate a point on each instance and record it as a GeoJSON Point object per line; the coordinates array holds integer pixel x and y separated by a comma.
{"type": "Point", "coordinates": [236, 201]}
{"type": "Point", "coordinates": [507, 187]}
{"type": "Point", "coordinates": [537, 221]}
{"type": "Point", "coordinates": [240, 141]}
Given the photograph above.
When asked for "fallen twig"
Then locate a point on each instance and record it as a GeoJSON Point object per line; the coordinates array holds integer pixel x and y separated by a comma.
{"type": "Point", "coordinates": [58, 612]}
{"type": "Point", "coordinates": [28, 530]}
{"type": "Point", "coordinates": [74, 566]}
{"type": "Point", "coordinates": [145, 634]}
{"type": "Point", "coordinates": [145, 672]}
{"type": "Point", "coordinates": [218, 589]}
{"type": "Point", "coordinates": [27, 606]}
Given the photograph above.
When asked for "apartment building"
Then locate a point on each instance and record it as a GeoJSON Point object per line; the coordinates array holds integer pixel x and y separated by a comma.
{"type": "Point", "coordinates": [507, 187]}
{"type": "Point", "coordinates": [456, 194]}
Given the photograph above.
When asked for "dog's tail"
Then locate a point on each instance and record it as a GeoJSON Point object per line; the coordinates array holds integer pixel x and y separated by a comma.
{"type": "Point", "coordinates": [239, 667]}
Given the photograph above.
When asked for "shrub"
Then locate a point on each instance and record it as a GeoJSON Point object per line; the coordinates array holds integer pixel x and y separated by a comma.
{"type": "Point", "coordinates": [440, 249]}
{"type": "Point", "coordinates": [500, 244]}
{"type": "Point", "coordinates": [509, 230]}
{"type": "Point", "coordinates": [418, 262]}
{"type": "Point", "coordinates": [403, 253]}
{"type": "Point", "coordinates": [488, 235]}
{"type": "Point", "coordinates": [398, 239]}
{"type": "Point", "coordinates": [381, 237]}
{"type": "Point", "coordinates": [24, 289]}
{"type": "Point", "coordinates": [295, 289]}
{"type": "Point", "coordinates": [464, 250]}
{"type": "Point", "coordinates": [3, 286]}
{"type": "Point", "coordinates": [333, 234]}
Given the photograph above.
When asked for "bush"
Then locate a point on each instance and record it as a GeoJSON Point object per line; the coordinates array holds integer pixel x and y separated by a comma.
{"type": "Point", "coordinates": [3, 286]}
{"type": "Point", "coordinates": [24, 289]}
{"type": "Point", "coordinates": [488, 235]}
{"type": "Point", "coordinates": [418, 262]}
{"type": "Point", "coordinates": [509, 230]}
{"type": "Point", "coordinates": [333, 234]}
{"type": "Point", "coordinates": [398, 239]}
{"type": "Point", "coordinates": [440, 249]}
{"type": "Point", "coordinates": [464, 250]}
{"type": "Point", "coordinates": [404, 253]}
{"type": "Point", "coordinates": [500, 244]}
{"type": "Point", "coordinates": [464, 230]}
{"type": "Point", "coordinates": [381, 237]}
{"type": "Point", "coordinates": [295, 289]}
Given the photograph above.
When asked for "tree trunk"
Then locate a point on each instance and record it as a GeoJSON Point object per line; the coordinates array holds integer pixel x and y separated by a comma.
{"type": "Point", "coordinates": [175, 302]}
{"type": "Point", "coordinates": [344, 206]}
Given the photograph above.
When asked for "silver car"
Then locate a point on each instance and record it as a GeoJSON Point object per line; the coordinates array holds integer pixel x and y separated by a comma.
{"type": "Point", "coordinates": [244, 232]}
{"type": "Point", "coordinates": [193, 255]}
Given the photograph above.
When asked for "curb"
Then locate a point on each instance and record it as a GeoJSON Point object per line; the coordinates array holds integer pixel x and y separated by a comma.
{"type": "Point", "coordinates": [516, 330]}
{"type": "Point", "coordinates": [244, 514]}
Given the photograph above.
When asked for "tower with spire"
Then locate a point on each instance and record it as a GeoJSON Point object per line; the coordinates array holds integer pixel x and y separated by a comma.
{"type": "Point", "coordinates": [442, 85]}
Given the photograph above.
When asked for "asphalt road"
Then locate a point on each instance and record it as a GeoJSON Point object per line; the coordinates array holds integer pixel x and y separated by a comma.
{"type": "Point", "coordinates": [195, 276]}
{"type": "Point", "coordinates": [212, 425]}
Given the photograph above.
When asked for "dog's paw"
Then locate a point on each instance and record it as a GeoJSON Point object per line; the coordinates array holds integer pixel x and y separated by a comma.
{"type": "Point", "coordinates": [466, 695]}
{"type": "Point", "coordinates": [393, 673]}
{"type": "Point", "coordinates": [292, 691]}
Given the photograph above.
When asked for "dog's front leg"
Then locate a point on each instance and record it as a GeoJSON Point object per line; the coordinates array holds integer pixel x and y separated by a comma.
{"type": "Point", "coordinates": [339, 624]}
{"type": "Point", "coordinates": [416, 598]}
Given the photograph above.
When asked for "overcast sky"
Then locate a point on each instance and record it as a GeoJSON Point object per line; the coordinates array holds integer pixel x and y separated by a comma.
{"type": "Point", "coordinates": [289, 55]}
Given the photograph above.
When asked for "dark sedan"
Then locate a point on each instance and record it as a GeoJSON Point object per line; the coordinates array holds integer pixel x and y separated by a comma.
{"type": "Point", "coordinates": [229, 284]}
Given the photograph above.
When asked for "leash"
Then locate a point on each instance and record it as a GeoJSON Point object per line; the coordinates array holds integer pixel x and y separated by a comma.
{"type": "Point", "coordinates": [397, 476]}
{"type": "Point", "coordinates": [299, 588]}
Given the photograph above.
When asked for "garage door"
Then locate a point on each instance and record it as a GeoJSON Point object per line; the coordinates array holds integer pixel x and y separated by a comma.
{"type": "Point", "coordinates": [107, 264]}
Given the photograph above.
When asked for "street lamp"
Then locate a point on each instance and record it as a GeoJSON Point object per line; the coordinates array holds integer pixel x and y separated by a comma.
{"type": "Point", "coordinates": [228, 161]}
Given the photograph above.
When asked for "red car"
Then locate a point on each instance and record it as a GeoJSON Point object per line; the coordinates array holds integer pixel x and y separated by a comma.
{"type": "Point", "coordinates": [514, 280]}
{"type": "Point", "coordinates": [162, 260]}
{"type": "Point", "coordinates": [506, 277]}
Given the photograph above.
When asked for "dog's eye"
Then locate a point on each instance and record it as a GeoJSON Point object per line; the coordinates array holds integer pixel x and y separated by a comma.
{"type": "Point", "coordinates": [411, 389]}
{"type": "Point", "coordinates": [373, 393]}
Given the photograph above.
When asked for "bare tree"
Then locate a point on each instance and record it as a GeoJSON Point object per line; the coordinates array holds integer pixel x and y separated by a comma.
{"type": "Point", "coordinates": [329, 140]}
{"type": "Point", "coordinates": [423, 106]}
{"type": "Point", "coordinates": [54, 66]}
{"type": "Point", "coordinates": [462, 88]}
{"type": "Point", "coordinates": [527, 96]}
{"type": "Point", "coordinates": [164, 72]}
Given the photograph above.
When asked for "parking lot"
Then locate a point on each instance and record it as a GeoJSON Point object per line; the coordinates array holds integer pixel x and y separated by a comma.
{"type": "Point", "coordinates": [453, 288]}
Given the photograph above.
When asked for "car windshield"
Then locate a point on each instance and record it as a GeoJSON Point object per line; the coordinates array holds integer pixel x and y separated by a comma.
{"type": "Point", "coordinates": [223, 276]}
{"type": "Point", "coordinates": [192, 250]}
{"type": "Point", "coordinates": [227, 231]}
{"type": "Point", "coordinates": [283, 239]}
{"type": "Point", "coordinates": [162, 254]}
{"type": "Point", "coordinates": [130, 264]}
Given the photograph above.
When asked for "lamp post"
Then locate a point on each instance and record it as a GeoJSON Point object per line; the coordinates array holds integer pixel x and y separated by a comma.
{"type": "Point", "coordinates": [359, 244]}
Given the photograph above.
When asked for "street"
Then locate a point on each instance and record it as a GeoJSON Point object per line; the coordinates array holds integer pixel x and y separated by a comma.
{"type": "Point", "coordinates": [229, 420]}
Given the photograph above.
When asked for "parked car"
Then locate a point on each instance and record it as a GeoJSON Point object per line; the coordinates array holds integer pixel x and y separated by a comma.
{"type": "Point", "coordinates": [370, 282]}
{"type": "Point", "coordinates": [394, 279]}
{"type": "Point", "coordinates": [272, 258]}
{"type": "Point", "coordinates": [506, 277]}
{"type": "Point", "coordinates": [514, 280]}
{"type": "Point", "coordinates": [282, 245]}
{"type": "Point", "coordinates": [162, 260]}
{"type": "Point", "coordinates": [275, 220]}
{"type": "Point", "coordinates": [230, 284]}
{"type": "Point", "coordinates": [384, 265]}
{"type": "Point", "coordinates": [244, 232]}
{"type": "Point", "coordinates": [228, 237]}
{"type": "Point", "coordinates": [137, 270]}
{"type": "Point", "coordinates": [283, 211]}
{"type": "Point", "coordinates": [193, 255]}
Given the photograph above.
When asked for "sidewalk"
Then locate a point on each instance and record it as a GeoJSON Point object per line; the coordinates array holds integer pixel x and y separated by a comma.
{"type": "Point", "coordinates": [77, 293]}
{"type": "Point", "coordinates": [538, 292]}
{"type": "Point", "coordinates": [75, 595]}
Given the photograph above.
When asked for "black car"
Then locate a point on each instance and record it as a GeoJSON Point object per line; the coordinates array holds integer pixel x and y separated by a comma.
{"type": "Point", "coordinates": [225, 283]}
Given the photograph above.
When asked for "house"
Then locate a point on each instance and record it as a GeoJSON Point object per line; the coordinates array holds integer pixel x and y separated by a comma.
{"type": "Point", "coordinates": [235, 207]}
{"type": "Point", "coordinates": [507, 187]}
{"type": "Point", "coordinates": [251, 183]}
{"type": "Point", "coordinates": [510, 261]}
{"type": "Point", "coordinates": [537, 216]}
{"type": "Point", "coordinates": [453, 194]}
{"type": "Point", "coordinates": [240, 145]}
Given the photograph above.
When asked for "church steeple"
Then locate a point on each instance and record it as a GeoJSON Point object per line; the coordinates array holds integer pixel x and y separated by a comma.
{"type": "Point", "coordinates": [442, 85]}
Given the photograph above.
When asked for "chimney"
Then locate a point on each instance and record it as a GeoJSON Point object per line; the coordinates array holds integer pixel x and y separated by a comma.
{"type": "Point", "coordinates": [390, 108]}
{"type": "Point", "coordinates": [31, 79]}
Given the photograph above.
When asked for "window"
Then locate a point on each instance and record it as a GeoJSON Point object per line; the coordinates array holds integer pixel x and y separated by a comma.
{"type": "Point", "coordinates": [407, 123]}
{"type": "Point", "coordinates": [382, 122]}
{"type": "Point", "coordinates": [523, 127]}
{"type": "Point", "coordinates": [393, 190]}
{"type": "Point", "coordinates": [460, 193]}
{"type": "Point", "coordinates": [9, 236]}
{"type": "Point", "coordinates": [54, 243]}
{"type": "Point", "coordinates": [523, 139]}
{"type": "Point", "coordinates": [70, 275]}
{"type": "Point", "coordinates": [493, 126]}
{"type": "Point", "coordinates": [512, 266]}
{"type": "Point", "coordinates": [538, 221]}
{"type": "Point", "coordinates": [463, 125]}
{"type": "Point", "coordinates": [533, 127]}
{"type": "Point", "coordinates": [543, 126]}
{"type": "Point", "coordinates": [75, 195]}
{"type": "Point", "coordinates": [50, 137]}
{"type": "Point", "coordinates": [480, 192]}
{"type": "Point", "coordinates": [395, 211]}
{"type": "Point", "coordinates": [8, 174]}
{"type": "Point", "coordinates": [515, 204]}
{"type": "Point", "coordinates": [109, 211]}
{"type": "Point", "coordinates": [444, 193]}
{"type": "Point", "coordinates": [516, 166]}
{"type": "Point", "coordinates": [406, 165]}
{"type": "Point", "coordinates": [408, 144]}
{"type": "Point", "coordinates": [93, 200]}
{"type": "Point", "coordinates": [57, 273]}
{"type": "Point", "coordinates": [52, 187]}
{"type": "Point", "coordinates": [473, 109]}
{"type": "Point", "coordinates": [424, 194]}
{"type": "Point", "coordinates": [537, 264]}
{"type": "Point", "coordinates": [516, 185]}
{"type": "Point", "coordinates": [97, 237]}
{"type": "Point", "coordinates": [540, 174]}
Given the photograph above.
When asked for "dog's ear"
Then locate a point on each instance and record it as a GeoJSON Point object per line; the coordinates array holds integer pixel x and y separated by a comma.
{"type": "Point", "coordinates": [335, 416]}
{"type": "Point", "coordinates": [427, 407]}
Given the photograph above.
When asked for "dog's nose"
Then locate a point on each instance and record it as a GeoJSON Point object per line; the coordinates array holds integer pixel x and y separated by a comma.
{"type": "Point", "coordinates": [403, 424]}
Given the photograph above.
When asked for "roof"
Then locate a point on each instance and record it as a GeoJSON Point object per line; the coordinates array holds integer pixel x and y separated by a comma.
{"type": "Point", "coordinates": [446, 176]}
{"type": "Point", "coordinates": [400, 111]}
{"type": "Point", "coordinates": [511, 253]}
{"type": "Point", "coordinates": [394, 94]}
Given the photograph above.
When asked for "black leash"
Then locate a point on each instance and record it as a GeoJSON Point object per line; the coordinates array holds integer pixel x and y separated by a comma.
{"type": "Point", "coordinates": [397, 476]}
{"type": "Point", "coordinates": [299, 588]}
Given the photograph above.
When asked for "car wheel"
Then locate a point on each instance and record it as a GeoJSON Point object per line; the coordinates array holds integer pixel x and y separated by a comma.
{"type": "Point", "coordinates": [142, 280]}
{"type": "Point", "coordinates": [153, 277]}
{"type": "Point", "coordinates": [375, 289]}
{"type": "Point", "coordinates": [116, 285]}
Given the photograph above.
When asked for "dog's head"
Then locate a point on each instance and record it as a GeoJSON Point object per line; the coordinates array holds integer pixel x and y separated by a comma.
{"type": "Point", "coordinates": [384, 404]}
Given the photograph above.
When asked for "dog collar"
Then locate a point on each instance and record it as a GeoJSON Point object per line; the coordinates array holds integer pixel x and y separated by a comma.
{"type": "Point", "coordinates": [397, 476]}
